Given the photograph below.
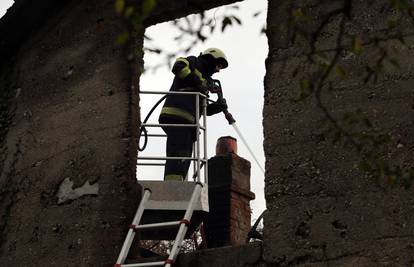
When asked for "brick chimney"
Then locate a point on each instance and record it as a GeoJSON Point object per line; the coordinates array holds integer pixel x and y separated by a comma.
{"type": "Point", "coordinates": [228, 222]}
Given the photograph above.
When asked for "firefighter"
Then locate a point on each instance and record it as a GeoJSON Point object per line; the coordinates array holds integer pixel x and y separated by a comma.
{"type": "Point", "coordinates": [192, 74]}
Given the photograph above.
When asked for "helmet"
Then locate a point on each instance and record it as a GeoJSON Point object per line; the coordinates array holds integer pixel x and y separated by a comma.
{"type": "Point", "coordinates": [218, 55]}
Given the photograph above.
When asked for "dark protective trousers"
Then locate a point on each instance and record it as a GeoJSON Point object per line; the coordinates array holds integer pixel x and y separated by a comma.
{"type": "Point", "coordinates": [180, 142]}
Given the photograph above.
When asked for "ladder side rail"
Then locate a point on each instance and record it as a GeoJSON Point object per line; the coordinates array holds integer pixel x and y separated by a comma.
{"type": "Point", "coordinates": [131, 232]}
{"type": "Point", "coordinates": [193, 163]}
{"type": "Point", "coordinates": [184, 227]}
{"type": "Point", "coordinates": [198, 136]}
{"type": "Point", "coordinates": [205, 158]}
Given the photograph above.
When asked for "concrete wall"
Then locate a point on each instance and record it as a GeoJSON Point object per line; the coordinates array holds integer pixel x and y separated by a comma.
{"type": "Point", "coordinates": [69, 113]}
{"type": "Point", "coordinates": [321, 208]}
{"type": "Point", "coordinates": [74, 100]}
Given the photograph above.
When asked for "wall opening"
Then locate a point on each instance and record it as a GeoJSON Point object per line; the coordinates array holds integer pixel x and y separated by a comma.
{"type": "Point", "coordinates": [4, 5]}
{"type": "Point", "coordinates": [246, 48]}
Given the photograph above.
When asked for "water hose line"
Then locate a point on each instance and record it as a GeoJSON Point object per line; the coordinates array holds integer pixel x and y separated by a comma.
{"type": "Point", "coordinates": [143, 131]}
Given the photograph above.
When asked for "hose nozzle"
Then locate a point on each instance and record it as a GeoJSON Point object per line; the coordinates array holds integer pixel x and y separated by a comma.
{"type": "Point", "coordinates": [229, 117]}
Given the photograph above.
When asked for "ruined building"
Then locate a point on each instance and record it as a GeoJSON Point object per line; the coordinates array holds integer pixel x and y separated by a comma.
{"type": "Point", "coordinates": [69, 119]}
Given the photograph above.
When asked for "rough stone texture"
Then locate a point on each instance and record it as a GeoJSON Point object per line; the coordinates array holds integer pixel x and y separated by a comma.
{"type": "Point", "coordinates": [26, 17]}
{"type": "Point", "coordinates": [321, 209]}
{"type": "Point", "coordinates": [72, 101]}
{"type": "Point", "coordinates": [236, 256]}
{"type": "Point", "coordinates": [73, 118]}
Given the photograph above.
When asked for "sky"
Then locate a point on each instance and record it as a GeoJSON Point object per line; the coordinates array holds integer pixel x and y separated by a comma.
{"type": "Point", "coordinates": [246, 49]}
{"type": "Point", "coordinates": [4, 5]}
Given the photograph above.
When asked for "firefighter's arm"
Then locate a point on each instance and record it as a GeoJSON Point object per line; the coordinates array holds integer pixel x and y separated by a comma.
{"type": "Point", "coordinates": [193, 78]}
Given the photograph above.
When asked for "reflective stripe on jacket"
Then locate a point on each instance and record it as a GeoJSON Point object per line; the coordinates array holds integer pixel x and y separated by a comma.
{"type": "Point", "coordinates": [173, 111]}
{"type": "Point", "coordinates": [191, 75]}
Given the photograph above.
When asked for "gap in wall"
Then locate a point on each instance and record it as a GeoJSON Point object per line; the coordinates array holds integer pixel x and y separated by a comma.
{"type": "Point", "coordinates": [246, 49]}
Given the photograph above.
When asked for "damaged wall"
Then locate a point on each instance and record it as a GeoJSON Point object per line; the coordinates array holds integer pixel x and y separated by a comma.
{"type": "Point", "coordinates": [321, 208]}
{"type": "Point", "coordinates": [68, 187]}
{"type": "Point", "coordinates": [73, 118]}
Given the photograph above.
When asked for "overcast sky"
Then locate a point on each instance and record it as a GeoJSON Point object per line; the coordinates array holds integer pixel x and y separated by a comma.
{"type": "Point", "coordinates": [246, 49]}
{"type": "Point", "coordinates": [4, 5]}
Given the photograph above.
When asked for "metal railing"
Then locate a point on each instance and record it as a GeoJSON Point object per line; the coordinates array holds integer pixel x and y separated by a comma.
{"type": "Point", "coordinates": [199, 158]}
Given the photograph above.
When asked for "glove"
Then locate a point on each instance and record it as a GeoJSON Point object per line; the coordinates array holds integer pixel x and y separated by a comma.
{"type": "Point", "coordinates": [207, 86]}
{"type": "Point", "coordinates": [219, 106]}
{"type": "Point", "coordinates": [212, 87]}
{"type": "Point", "coordinates": [203, 88]}
{"type": "Point", "coordinates": [222, 103]}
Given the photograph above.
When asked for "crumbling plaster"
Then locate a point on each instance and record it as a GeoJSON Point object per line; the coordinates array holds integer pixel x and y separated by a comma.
{"type": "Point", "coordinates": [322, 210]}
{"type": "Point", "coordinates": [72, 94]}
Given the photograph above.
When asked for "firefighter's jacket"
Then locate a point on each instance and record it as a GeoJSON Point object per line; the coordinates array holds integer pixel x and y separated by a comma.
{"type": "Point", "coordinates": [191, 75]}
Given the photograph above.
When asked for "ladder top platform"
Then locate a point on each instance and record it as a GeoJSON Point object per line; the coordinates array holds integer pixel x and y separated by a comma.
{"type": "Point", "coordinates": [174, 195]}
{"type": "Point", "coordinates": [168, 202]}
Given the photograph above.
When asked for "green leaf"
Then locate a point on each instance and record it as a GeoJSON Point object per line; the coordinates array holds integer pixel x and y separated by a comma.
{"type": "Point", "coordinates": [212, 28]}
{"type": "Point", "coordinates": [392, 23]}
{"type": "Point", "coordinates": [201, 36]}
{"type": "Point", "coordinates": [154, 50]}
{"type": "Point", "coordinates": [392, 179]}
{"type": "Point", "coordinates": [119, 6]}
{"type": "Point", "coordinates": [122, 38]}
{"type": "Point", "coordinates": [129, 11]}
{"type": "Point", "coordinates": [298, 13]}
{"type": "Point", "coordinates": [365, 166]}
{"type": "Point", "coordinates": [340, 71]}
{"type": "Point", "coordinates": [257, 14]}
{"type": "Point", "coordinates": [393, 3]}
{"type": "Point", "coordinates": [178, 37]}
{"type": "Point", "coordinates": [148, 6]}
{"type": "Point", "coordinates": [357, 46]}
{"type": "Point", "coordinates": [407, 179]}
{"type": "Point", "coordinates": [226, 22]}
{"type": "Point", "coordinates": [305, 85]}
{"type": "Point", "coordinates": [237, 20]}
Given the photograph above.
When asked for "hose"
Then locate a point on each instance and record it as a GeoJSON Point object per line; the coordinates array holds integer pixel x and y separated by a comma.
{"type": "Point", "coordinates": [254, 233]}
{"type": "Point", "coordinates": [143, 130]}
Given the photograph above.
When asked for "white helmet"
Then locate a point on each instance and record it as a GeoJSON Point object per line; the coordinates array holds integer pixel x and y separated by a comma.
{"type": "Point", "coordinates": [218, 55]}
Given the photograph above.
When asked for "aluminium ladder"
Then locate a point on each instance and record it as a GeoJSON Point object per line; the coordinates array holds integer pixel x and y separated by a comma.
{"type": "Point", "coordinates": [170, 196]}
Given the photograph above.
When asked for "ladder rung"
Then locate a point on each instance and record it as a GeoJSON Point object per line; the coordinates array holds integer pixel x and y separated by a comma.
{"type": "Point", "coordinates": [157, 225]}
{"type": "Point", "coordinates": [155, 263]}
